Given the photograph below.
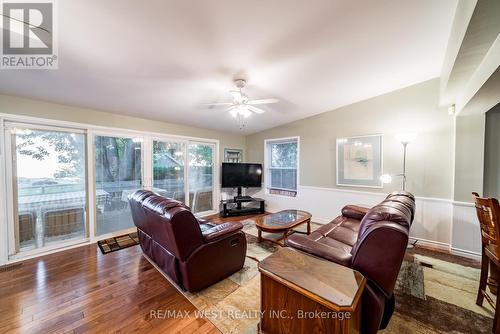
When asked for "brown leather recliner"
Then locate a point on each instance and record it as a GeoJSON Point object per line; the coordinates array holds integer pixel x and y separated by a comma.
{"type": "Point", "coordinates": [371, 241]}
{"type": "Point", "coordinates": [194, 253]}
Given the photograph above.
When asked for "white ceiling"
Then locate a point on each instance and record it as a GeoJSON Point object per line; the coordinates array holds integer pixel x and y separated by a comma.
{"type": "Point", "coordinates": [162, 59]}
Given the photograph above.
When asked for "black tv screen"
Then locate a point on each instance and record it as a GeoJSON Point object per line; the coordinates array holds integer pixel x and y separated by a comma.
{"type": "Point", "coordinates": [241, 175]}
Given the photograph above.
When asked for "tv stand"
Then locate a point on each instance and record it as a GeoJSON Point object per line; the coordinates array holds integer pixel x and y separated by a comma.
{"type": "Point", "coordinates": [241, 198]}
{"type": "Point", "coordinates": [234, 207]}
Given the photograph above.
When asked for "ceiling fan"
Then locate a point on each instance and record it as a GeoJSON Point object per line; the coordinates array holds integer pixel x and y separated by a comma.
{"type": "Point", "coordinates": [241, 106]}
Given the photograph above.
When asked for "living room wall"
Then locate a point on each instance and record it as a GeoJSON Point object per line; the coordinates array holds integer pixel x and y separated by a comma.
{"type": "Point", "coordinates": [412, 109]}
{"type": "Point", "coordinates": [492, 153]}
{"type": "Point", "coordinates": [430, 161]}
{"type": "Point", "coordinates": [36, 108]}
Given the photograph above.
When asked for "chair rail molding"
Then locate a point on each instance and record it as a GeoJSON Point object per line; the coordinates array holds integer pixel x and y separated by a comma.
{"type": "Point", "coordinates": [439, 222]}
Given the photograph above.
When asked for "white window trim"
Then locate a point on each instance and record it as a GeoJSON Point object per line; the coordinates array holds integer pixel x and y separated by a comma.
{"type": "Point", "coordinates": [91, 131]}
{"type": "Point", "coordinates": [10, 174]}
{"type": "Point", "coordinates": [4, 246]}
{"type": "Point", "coordinates": [267, 163]}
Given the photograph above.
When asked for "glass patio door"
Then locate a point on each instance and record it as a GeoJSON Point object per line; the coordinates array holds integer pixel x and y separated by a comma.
{"type": "Point", "coordinates": [201, 176]}
{"type": "Point", "coordinates": [117, 174]}
{"type": "Point", "coordinates": [183, 167]}
{"type": "Point", "coordinates": [168, 169]}
{"type": "Point", "coordinates": [48, 185]}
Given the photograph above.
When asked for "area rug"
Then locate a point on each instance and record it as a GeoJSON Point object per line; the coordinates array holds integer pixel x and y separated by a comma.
{"type": "Point", "coordinates": [435, 293]}
{"type": "Point", "coordinates": [117, 243]}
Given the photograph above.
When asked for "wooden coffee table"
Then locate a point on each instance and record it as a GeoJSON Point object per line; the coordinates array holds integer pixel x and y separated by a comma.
{"type": "Point", "coordinates": [301, 293]}
{"type": "Point", "coordinates": [282, 222]}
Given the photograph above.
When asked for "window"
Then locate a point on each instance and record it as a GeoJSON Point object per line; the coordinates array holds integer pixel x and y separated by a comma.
{"type": "Point", "coordinates": [282, 161]}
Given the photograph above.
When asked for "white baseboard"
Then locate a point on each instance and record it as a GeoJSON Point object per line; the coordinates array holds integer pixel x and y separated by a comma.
{"type": "Point", "coordinates": [430, 244]}
{"type": "Point", "coordinates": [465, 253]}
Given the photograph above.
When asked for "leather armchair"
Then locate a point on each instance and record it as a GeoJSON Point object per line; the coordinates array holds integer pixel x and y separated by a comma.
{"type": "Point", "coordinates": [194, 253]}
{"type": "Point", "coordinates": [371, 241]}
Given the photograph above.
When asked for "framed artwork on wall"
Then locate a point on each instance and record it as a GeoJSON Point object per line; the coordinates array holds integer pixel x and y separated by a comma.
{"type": "Point", "coordinates": [359, 161]}
{"type": "Point", "coordinates": [233, 155]}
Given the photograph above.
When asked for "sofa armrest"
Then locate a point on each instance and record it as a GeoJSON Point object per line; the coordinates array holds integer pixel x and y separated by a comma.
{"type": "Point", "coordinates": [329, 253]}
{"type": "Point", "coordinates": [203, 221]}
{"type": "Point", "coordinates": [354, 211]}
{"type": "Point", "coordinates": [219, 231]}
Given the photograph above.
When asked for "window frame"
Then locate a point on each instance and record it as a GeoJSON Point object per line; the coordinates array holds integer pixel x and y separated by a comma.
{"type": "Point", "coordinates": [11, 188]}
{"type": "Point", "coordinates": [92, 167]}
{"type": "Point", "coordinates": [267, 165]}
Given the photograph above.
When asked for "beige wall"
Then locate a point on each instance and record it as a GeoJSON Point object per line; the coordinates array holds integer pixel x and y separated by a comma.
{"type": "Point", "coordinates": [35, 108]}
{"type": "Point", "coordinates": [412, 109]}
{"type": "Point", "coordinates": [492, 153]}
{"type": "Point", "coordinates": [469, 156]}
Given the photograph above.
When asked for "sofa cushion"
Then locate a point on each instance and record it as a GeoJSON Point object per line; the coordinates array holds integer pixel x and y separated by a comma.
{"type": "Point", "coordinates": [393, 212]}
{"type": "Point", "coordinates": [329, 252]}
{"type": "Point", "coordinates": [346, 222]}
{"type": "Point", "coordinates": [344, 235]}
{"type": "Point", "coordinates": [339, 245]}
{"type": "Point", "coordinates": [341, 228]}
{"type": "Point", "coordinates": [221, 230]}
{"type": "Point", "coordinates": [354, 211]}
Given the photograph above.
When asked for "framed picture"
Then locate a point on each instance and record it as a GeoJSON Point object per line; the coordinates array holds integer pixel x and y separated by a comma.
{"type": "Point", "coordinates": [233, 155]}
{"type": "Point", "coordinates": [359, 161]}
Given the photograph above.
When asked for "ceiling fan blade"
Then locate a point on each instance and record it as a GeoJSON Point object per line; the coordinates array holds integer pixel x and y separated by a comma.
{"type": "Point", "coordinates": [263, 101]}
{"type": "Point", "coordinates": [236, 94]}
{"type": "Point", "coordinates": [218, 104]}
{"type": "Point", "coordinates": [255, 109]}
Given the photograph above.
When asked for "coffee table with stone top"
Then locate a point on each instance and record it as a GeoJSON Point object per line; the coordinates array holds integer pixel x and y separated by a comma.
{"type": "Point", "coordinates": [282, 223]}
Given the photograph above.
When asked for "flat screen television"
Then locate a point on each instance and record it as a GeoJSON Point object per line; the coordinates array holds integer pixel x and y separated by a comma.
{"type": "Point", "coordinates": [241, 175]}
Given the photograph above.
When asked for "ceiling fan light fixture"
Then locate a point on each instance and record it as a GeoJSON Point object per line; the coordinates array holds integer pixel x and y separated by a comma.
{"type": "Point", "coordinates": [246, 114]}
{"type": "Point", "coordinates": [242, 107]}
{"type": "Point", "coordinates": [243, 111]}
{"type": "Point", "coordinates": [233, 112]}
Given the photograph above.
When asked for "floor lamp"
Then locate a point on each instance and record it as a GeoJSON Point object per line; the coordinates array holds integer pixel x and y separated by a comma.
{"type": "Point", "coordinates": [404, 139]}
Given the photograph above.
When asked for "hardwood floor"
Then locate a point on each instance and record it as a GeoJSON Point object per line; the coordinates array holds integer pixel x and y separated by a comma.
{"type": "Point", "coordinates": [83, 291]}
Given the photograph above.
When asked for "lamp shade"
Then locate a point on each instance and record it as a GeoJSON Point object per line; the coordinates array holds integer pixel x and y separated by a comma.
{"type": "Point", "coordinates": [385, 178]}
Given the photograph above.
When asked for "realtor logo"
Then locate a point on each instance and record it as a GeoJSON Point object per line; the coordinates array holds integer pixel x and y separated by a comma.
{"type": "Point", "coordinates": [28, 35]}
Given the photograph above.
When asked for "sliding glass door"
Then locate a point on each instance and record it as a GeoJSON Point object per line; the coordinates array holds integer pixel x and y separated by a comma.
{"type": "Point", "coordinates": [201, 176]}
{"type": "Point", "coordinates": [117, 173]}
{"type": "Point", "coordinates": [49, 185]}
{"type": "Point", "coordinates": [168, 169]}
{"type": "Point", "coordinates": [181, 167]}
{"type": "Point", "coordinates": [49, 192]}
{"type": "Point", "coordinates": [177, 167]}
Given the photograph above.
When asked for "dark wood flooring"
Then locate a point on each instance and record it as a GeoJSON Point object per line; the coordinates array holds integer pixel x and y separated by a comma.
{"type": "Point", "coordinates": [83, 291]}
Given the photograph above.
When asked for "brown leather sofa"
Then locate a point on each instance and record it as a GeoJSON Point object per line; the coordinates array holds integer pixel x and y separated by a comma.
{"type": "Point", "coordinates": [371, 241]}
{"type": "Point", "coordinates": [194, 253]}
